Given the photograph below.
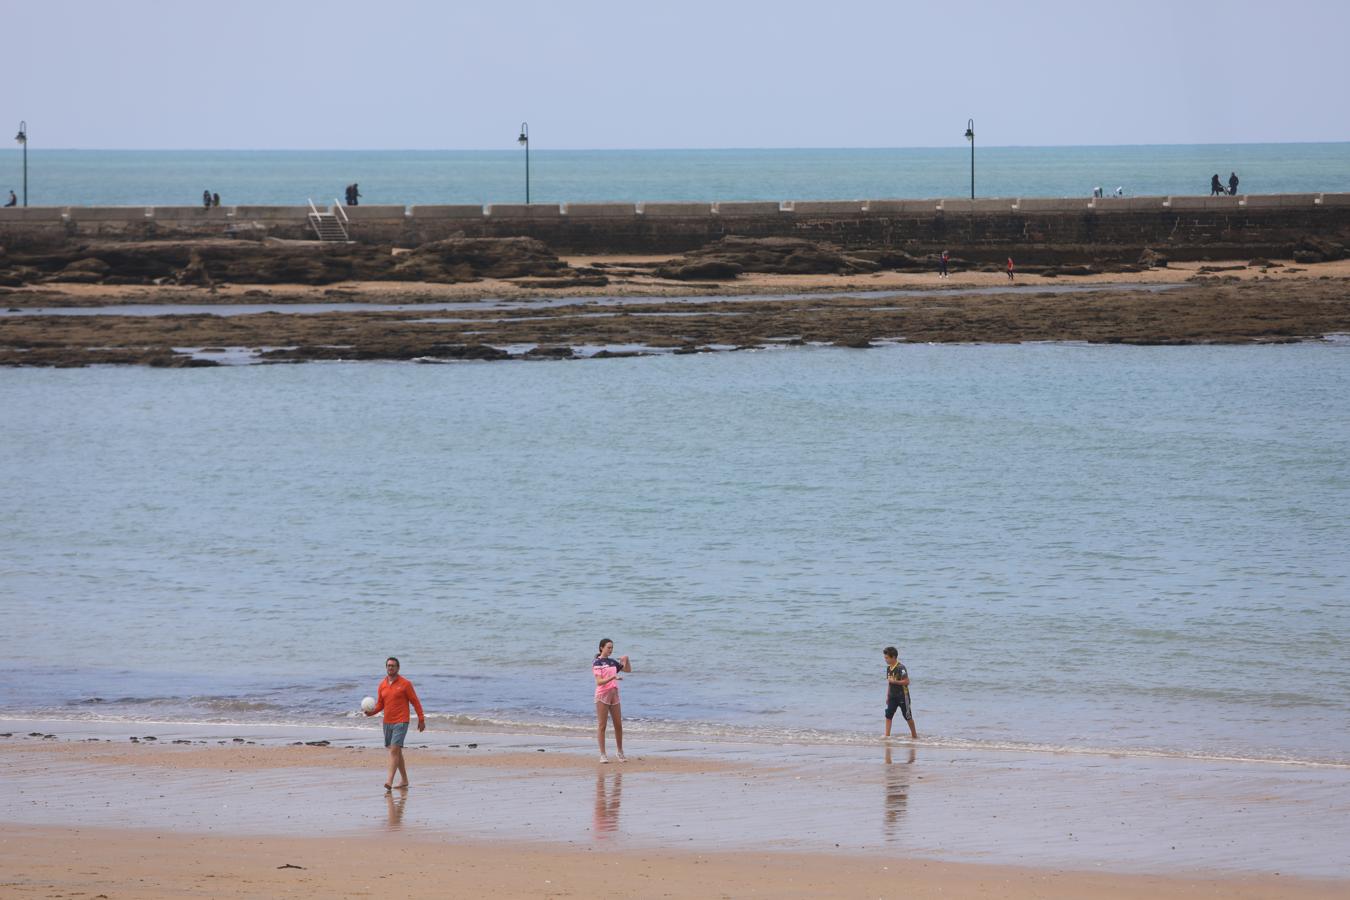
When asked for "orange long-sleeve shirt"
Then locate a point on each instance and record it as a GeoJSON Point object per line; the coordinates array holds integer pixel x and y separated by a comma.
{"type": "Point", "coordinates": [394, 699]}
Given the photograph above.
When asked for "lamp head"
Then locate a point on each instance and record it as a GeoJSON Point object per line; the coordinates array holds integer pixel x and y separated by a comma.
{"type": "Point", "coordinates": [22, 136]}
{"type": "Point", "coordinates": [970, 133]}
{"type": "Point", "coordinates": [524, 133]}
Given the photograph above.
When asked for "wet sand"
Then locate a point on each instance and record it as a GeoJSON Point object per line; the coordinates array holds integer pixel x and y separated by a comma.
{"type": "Point", "coordinates": [535, 815]}
{"type": "Point", "coordinates": [639, 313]}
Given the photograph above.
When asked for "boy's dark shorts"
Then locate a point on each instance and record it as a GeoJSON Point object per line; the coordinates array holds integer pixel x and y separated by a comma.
{"type": "Point", "coordinates": [900, 701]}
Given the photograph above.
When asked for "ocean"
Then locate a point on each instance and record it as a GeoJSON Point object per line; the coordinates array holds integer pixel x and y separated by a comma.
{"type": "Point", "coordinates": [291, 178]}
{"type": "Point", "coordinates": [1131, 550]}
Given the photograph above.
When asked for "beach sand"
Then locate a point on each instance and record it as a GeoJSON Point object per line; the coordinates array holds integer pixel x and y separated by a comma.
{"type": "Point", "coordinates": [223, 812]}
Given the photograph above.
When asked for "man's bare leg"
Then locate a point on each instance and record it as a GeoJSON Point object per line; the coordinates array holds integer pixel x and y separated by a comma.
{"type": "Point", "coordinates": [397, 763]}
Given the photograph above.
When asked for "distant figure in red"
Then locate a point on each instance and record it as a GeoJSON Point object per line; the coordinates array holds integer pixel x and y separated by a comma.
{"type": "Point", "coordinates": [1010, 269]}
{"type": "Point", "coordinates": [942, 264]}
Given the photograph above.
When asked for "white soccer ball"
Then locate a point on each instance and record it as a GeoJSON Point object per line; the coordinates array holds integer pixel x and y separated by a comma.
{"type": "Point", "coordinates": [368, 704]}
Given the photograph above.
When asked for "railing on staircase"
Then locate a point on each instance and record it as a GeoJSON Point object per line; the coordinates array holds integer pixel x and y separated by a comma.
{"type": "Point", "coordinates": [328, 226]}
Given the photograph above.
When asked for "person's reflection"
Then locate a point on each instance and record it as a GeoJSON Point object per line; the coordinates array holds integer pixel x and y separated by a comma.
{"type": "Point", "coordinates": [396, 803]}
{"type": "Point", "coordinates": [897, 792]}
{"type": "Point", "coordinates": [608, 792]}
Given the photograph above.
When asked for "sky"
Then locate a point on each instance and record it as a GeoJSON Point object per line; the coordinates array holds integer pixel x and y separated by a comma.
{"type": "Point", "coordinates": [596, 74]}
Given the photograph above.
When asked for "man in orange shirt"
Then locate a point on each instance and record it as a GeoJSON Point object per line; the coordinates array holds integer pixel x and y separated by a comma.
{"type": "Point", "coordinates": [394, 695]}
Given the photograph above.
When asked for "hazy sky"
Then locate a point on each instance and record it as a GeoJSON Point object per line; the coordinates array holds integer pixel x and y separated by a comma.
{"type": "Point", "coordinates": [444, 74]}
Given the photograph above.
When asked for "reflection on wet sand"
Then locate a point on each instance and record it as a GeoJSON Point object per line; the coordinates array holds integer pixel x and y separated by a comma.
{"type": "Point", "coordinates": [608, 791]}
{"type": "Point", "coordinates": [898, 776]}
{"type": "Point", "coordinates": [396, 803]}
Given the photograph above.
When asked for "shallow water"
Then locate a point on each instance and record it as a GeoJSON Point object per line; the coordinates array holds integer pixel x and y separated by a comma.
{"type": "Point", "coordinates": [1086, 547]}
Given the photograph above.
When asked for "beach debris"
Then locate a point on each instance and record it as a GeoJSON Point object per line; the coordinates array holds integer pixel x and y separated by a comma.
{"type": "Point", "coordinates": [239, 740]}
{"type": "Point", "coordinates": [35, 734]}
{"type": "Point", "coordinates": [134, 739]}
{"type": "Point", "coordinates": [1152, 259]}
{"type": "Point", "coordinates": [472, 746]}
{"type": "Point", "coordinates": [149, 737]}
{"type": "Point", "coordinates": [316, 743]}
{"type": "Point", "coordinates": [290, 866]}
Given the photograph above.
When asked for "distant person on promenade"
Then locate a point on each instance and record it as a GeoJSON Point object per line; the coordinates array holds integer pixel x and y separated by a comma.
{"type": "Point", "coordinates": [606, 671]}
{"type": "Point", "coordinates": [353, 194]}
{"type": "Point", "coordinates": [206, 199]}
{"type": "Point", "coordinates": [1010, 269]}
{"type": "Point", "coordinates": [1232, 183]}
{"type": "Point", "coordinates": [13, 200]}
{"type": "Point", "coordinates": [215, 200]}
{"type": "Point", "coordinates": [942, 264]}
{"type": "Point", "coordinates": [1214, 186]}
{"type": "Point", "coordinates": [897, 691]}
{"type": "Point", "coordinates": [1120, 191]}
{"type": "Point", "coordinates": [1097, 192]}
{"type": "Point", "coordinates": [393, 696]}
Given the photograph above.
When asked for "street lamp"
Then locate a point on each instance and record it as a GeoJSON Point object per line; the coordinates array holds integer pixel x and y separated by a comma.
{"type": "Point", "coordinates": [524, 140]}
{"type": "Point", "coordinates": [22, 138]}
{"type": "Point", "coordinates": [970, 136]}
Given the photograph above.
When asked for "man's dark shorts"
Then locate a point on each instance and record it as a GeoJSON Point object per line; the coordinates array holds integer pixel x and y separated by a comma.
{"type": "Point", "coordinates": [898, 700]}
{"type": "Point", "coordinates": [395, 734]}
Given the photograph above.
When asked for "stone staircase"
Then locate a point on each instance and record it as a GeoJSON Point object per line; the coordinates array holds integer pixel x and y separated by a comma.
{"type": "Point", "coordinates": [329, 226]}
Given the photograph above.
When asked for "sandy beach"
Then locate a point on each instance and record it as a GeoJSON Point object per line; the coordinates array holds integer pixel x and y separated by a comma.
{"type": "Point", "coordinates": [234, 810]}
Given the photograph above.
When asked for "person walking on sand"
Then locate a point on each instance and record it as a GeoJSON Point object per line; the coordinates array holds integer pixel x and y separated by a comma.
{"type": "Point", "coordinates": [1232, 183]}
{"type": "Point", "coordinates": [897, 691]}
{"type": "Point", "coordinates": [1215, 187]}
{"type": "Point", "coordinates": [607, 678]}
{"type": "Point", "coordinates": [1010, 269]}
{"type": "Point", "coordinates": [394, 695]}
{"type": "Point", "coordinates": [942, 264]}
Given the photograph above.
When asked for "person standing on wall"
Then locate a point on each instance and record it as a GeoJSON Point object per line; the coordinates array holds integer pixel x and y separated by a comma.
{"type": "Point", "coordinates": [206, 199]}
{"type": "Point", "coordinates": [13, 200]}
{"type": "Point", "coordinates": [1232, 183]}
{"type": "Point", "coordinates": [1215, 188]}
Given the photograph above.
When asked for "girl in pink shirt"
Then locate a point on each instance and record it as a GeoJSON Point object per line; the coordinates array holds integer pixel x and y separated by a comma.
{"type": "Point", "coordinates": [607, 677]}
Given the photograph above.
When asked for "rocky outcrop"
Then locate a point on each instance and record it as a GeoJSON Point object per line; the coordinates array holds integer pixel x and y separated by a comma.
{"type": "Point", "coordinates": [210, 262]}
{"type": "Point", "coordinates": [725, 259]}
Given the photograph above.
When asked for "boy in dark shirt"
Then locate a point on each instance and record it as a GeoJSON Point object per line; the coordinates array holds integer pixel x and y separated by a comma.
{"type": "Point", "coordinates": [897, 691]}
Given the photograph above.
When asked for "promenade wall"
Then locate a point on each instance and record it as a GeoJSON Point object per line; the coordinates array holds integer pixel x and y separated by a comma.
{"type": "Point", "coordinates": [986, 227]}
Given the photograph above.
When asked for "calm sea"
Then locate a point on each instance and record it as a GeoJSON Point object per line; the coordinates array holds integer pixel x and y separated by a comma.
{"type": "Point", "coordinates": [1086, 547]}
{"type": "Point", "coordinates": [177, 178]}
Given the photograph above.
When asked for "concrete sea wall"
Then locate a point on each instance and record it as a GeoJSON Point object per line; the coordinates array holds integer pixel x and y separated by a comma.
{"type": "Point", "coordinates": [1195, 225]}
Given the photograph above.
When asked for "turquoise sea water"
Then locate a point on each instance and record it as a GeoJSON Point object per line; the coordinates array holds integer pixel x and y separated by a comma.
{"type": "Point", "coordinates": [1086, 547]}
{"type": "Point", "coordinates": [177, 178]}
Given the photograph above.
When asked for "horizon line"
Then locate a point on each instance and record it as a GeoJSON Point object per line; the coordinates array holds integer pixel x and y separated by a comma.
{"type": "Point", "coordinates": [962, 147]}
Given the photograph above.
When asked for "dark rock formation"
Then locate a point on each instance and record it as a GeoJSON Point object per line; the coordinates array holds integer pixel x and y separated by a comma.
{"type": "Point", "coordinates": [206, 262]}
{"type": "Point", "coordinates": [1316, 249]}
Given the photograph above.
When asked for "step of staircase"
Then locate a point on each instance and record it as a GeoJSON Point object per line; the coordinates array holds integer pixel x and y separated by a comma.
{"type": "Point", "coordinates": [327, 227]}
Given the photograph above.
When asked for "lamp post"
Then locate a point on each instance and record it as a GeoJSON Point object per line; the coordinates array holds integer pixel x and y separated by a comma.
{"type": "Point", "coordinates": [22, 138]}
{"type": "Point", "coordinates": [524, 140]}
{"type": "Point", "coordinates": [970, 136]}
